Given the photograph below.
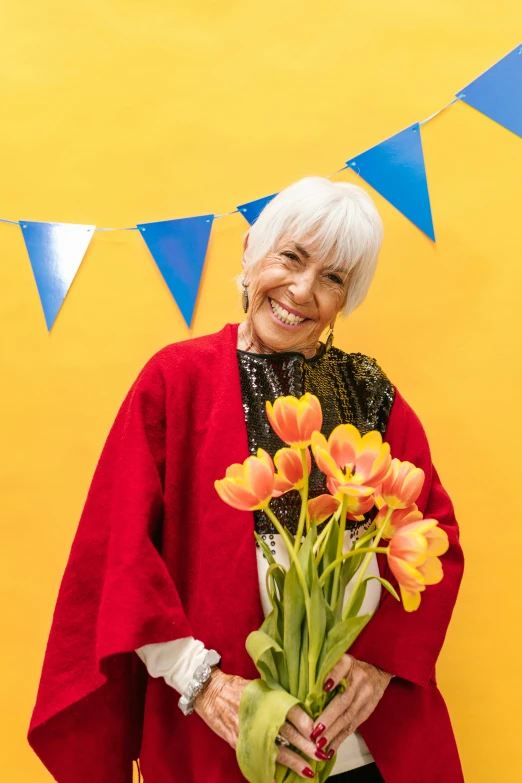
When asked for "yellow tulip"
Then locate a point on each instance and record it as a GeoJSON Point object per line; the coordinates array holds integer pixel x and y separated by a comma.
{"type": "Point", "coordinates": [413, 558]}
{"type": "Point", "coordinates": [294, 420]}
{"type": "Point", "coordinates": [248, 486]}
{"type": "Point", "coordinates": [289, 466]}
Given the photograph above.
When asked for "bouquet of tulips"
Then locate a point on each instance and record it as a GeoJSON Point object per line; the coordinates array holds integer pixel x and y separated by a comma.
{"type": "Point", "coordinates": [311, 625]}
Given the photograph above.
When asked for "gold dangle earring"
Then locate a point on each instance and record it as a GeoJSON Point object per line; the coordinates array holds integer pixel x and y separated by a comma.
{"type": "Point", "coordinates": [245, 298]}
{"type": "Point", "coordinates": [329, 339]}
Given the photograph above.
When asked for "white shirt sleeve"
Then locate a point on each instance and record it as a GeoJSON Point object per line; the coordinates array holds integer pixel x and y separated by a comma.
{"type": "Point", "coordinates": [175, 661]}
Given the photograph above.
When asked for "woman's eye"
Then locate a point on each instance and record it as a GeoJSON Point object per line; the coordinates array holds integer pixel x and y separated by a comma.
{"type": "Point", "coordinates": [290, 255]}
{"type": "Point", "coordinates": [335, 278]}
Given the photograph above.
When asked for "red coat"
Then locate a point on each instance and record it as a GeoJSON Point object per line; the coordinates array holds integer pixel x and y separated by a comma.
{"type": "Point", "coordinates": [179, 427]}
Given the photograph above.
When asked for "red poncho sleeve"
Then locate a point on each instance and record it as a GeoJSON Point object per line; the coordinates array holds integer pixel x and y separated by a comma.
{"type": "Point", "coordinates": [116, 595]}
{"type": "Point", "coordinates": [402, 643]}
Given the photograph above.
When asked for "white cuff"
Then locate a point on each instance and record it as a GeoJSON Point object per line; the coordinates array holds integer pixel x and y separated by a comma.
{"type": "Point", "coordinates": [175, 661]}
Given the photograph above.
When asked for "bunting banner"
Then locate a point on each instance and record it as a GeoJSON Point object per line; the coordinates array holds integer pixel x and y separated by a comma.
{"type": "Point", "coordinates": [179, 248]}
{"type": "Point", "coordinates": [498, 92]}
{"type": "Point", "coordinates": [253, 209]}
{"type": "Point", "coordinates": [394, 168]}
{"type": "Point", "coordinates": [55, 251]}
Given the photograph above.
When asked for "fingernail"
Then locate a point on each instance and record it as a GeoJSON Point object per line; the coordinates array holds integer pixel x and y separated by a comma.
{"type": "Point", "coordinates": [308, 773]}
{"type": "Point", "coordinates": [317, 731]}
{"type": "Point", "coordinates": [320, 754]}
{"type": "Point", "coordinates": [321, 742]}
{"type": "Point", "coordinates": [330, 754]}
{"type": "Point", "coordinates": [328, 684]}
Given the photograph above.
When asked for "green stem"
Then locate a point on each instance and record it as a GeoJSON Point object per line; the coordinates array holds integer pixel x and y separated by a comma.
{"type": "Point", "coordinates": [325, 532]}
{"type": "Point", "coordinates": [300, 575]}
{"type": "Point", "coordinates": [324, 543]}
{"type": "Point", "coordinates": [340, 544]}
{"type": "Point", "coordinates": [304, 502]}
{"type": "Point", "coordinates": [369, 534]}
{"type": "Point", "coordinates": [366, 562]}
{"type": "Point", "coordinates": [293, 556]}
{"type": "Point", "coordinates": [351, 553]}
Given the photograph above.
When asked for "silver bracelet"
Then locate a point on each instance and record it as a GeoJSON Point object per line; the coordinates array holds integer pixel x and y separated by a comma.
{"type": "Point", "coordinates": [200, 677]}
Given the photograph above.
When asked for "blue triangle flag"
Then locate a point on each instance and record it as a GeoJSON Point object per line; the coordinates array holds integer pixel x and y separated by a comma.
{"type": "Point", "coordinates": [253, 209]}
{"type": "Point", "coordinates": [498, 92]}
{"type": "Point", "coordinates": [179, 248]}
{"type": "Point", "coordinates": [55, 251]}
{"type": "Point", "coordinates": [395, 169]}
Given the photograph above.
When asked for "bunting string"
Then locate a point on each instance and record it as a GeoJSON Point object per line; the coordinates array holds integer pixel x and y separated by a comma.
{"type": "Point", "coordinates": [395, 168]}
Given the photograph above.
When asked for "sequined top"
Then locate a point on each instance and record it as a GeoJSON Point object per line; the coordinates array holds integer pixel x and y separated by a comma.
{"type": "Point", "coordinates": [352, 389]}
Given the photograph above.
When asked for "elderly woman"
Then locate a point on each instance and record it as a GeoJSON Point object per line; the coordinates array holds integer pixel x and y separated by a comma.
{"type": "Point", "coordinates": [163, 576]}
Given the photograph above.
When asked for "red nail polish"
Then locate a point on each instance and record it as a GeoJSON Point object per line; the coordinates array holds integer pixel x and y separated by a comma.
{"type": "Point", "coordinates": [320, 754]}
{"type": "Point", "coordinates": [317, 731]}
{"type": "Point", "coordinates": [321, 742]}
{"type": "Point", "coordinates": [308, 773]}
{"type": "Point", "coordinates": [330, 754]}
{"type": "Point", "coordinates": [328, 684]}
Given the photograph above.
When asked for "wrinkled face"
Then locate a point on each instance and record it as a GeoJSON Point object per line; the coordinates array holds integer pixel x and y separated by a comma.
{"type": "Point", "coordinates": [293, 297]}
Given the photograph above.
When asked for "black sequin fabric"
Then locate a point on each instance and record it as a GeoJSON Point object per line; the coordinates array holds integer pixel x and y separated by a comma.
{"type": "Point", "coordinates": [351, 387]}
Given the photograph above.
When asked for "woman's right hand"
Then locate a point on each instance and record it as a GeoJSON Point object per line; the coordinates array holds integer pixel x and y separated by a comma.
{"type": "Point", "coordinates": [218, 705]}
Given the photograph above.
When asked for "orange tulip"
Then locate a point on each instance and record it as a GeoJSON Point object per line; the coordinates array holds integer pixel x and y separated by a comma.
{"type": "Point", "coordinates": [322, 507]}
{"type": "Point", "coordinates": [402, 486]}
{"type": "Point", "coordinates": [248, 486]}
{"type": "Point", "coordinates": [413, 558]}
{"type": "Point", "coordinates": [289, 466]}
{"type": "Point", "coordinates": [399, 518]}
{"type": "Point", "coordinates": [294, 420]}
{"type": "Point", "coordinates": [353, 464]}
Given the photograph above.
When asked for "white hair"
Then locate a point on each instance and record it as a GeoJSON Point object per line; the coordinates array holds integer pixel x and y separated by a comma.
{"type": "Point", "coordinates": [340, 218]}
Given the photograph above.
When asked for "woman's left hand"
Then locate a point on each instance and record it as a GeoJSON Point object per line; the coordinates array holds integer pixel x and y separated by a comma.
{"type": "Point", "coordinates": [364, 689]}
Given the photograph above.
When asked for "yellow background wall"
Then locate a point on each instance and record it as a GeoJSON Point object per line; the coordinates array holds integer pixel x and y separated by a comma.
{"type": "Point", "coordinates": [118, 112]}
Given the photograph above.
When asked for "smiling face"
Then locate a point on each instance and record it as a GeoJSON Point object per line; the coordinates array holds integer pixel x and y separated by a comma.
{"type": "Point", "coordinates": [294, 295]}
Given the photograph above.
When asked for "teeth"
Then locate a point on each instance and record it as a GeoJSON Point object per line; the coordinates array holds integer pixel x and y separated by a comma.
{"type": "Point", "coordinates": [284, 315]}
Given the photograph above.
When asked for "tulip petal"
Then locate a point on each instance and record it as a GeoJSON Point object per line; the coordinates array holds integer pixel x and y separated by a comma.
{"type": "Point", "coordinates": [406, 575]}
{"type": "Point", "coordinates": [236, 494]}
{"type": "Point", "coordinates": [343, 445]}
{"type": "Point", "coordinates": [410, 601]}
{"type": "Point", "coordinates": [235, 471]}
{"type": "Point", "coordinates": [409, 545]}
{"type": "Point", "coordinates": [326, 463]}
{"type": "Point", "coordinates": [259, 478]}
{"type": "Point", "coordinates": [431, 571]}
{"type": "Point", "coordinates": [265, 457]}
{"type": "Point", "coordinates": [289, 465]}
{"type": "Point", "coordinates": [310, 416]}
{"type": "Point", "coordinates": [412, 485]}
{"type": "Point", "coordinates": [322, 507]}
{"type": "Point", "coordinates": [438, 543]}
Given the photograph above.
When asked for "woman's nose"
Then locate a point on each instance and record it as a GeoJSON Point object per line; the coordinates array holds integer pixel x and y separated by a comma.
{"type": "Point", "coordinates": [302, 289]}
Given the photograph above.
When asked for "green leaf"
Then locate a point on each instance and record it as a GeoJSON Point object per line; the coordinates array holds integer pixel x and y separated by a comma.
{"type": "Point", "coordinates": [390, 588]}
{"type": "Point", "coordinates": [325, 769]}
{"type": "Point", "coordinates": [303, 665]}
{"type": "Point", "coordinates": [359, 598]}
{"type": "Point", "coordinates": [270, 626]}
{"type": "Point", "coordinates": [265, 548]}
{"type": "Point", "coordinates": [258, 643]}
{"type": "Point", "coordinates": [339, 640]}
{"type": "Point", "coordinates": [318, 616]}
{"type": "Point", "coordinates": [262, 712]}
{"type": "Point", "coordinates": [307, 560]}
{"type": "Point", "coordinates": [348, 570]}
{"type": "Point", "coordinates": [265, 652]}
{"type": "Point", "coordinates": [351, 566]}
{"type": "Point", "coordinates": [330, 554]}
{"type": "Point", "coordinates": [275, 579]}
{"type": "Point", "coordinates": [294, 612]}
